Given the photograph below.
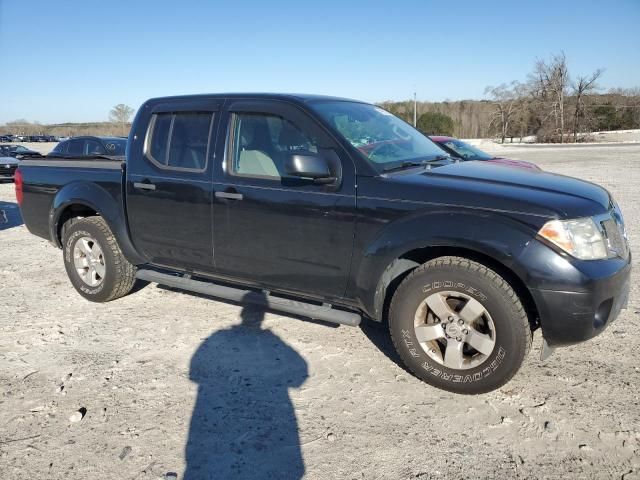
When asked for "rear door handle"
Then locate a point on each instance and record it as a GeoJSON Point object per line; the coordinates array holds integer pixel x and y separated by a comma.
{"type": "Point", "coordinates": [144, 186]}
{"type": "Point", "coordinates": [229, 195]}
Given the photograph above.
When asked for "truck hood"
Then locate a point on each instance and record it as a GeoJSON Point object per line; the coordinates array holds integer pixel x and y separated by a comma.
{"type": "Point", "coordinates": [491, 186]}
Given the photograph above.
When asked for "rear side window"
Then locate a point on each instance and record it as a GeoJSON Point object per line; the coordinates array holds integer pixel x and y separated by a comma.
{"type": "Point", "coordinates": [76, 147]}
{"type": "Point", "coordinates": [179, 141]}
{"type": "Point", "coordinates": [60, 148]}
{"type": "Point", "coordinates": [159, 131]}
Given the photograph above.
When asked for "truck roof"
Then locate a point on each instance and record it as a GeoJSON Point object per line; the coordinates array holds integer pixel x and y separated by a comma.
{"type": "Point", "coordinates": [296, 97]}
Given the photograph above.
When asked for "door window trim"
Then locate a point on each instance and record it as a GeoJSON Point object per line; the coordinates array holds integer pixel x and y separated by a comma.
{"type": "Point", "coordinates": [146, 150]}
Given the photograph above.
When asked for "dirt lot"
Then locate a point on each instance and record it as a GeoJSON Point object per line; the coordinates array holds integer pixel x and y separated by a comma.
{"type": "Point", "coordinates": [159, 369]}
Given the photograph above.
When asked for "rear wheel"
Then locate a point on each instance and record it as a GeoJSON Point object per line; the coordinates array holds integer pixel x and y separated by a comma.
{"type": "Point", "coordinates": [459, 326]}
{"type": "Point", "coordinates": [94, 262]}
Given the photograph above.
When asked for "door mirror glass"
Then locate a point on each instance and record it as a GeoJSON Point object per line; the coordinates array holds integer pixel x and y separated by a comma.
{"type": "Point", "coordinates": [309, 165]}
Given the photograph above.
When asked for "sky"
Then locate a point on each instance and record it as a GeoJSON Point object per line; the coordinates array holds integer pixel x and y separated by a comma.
{"type": "Point", "coordinates": [73, 60]}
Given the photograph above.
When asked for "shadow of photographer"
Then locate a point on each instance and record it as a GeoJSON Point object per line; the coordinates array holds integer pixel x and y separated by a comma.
{"type": "Point", "coordinates": [244, 424]}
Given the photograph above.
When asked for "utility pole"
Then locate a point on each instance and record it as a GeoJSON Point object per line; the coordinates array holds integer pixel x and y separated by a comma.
{"type": "Point", "coordinates": [415, 110]}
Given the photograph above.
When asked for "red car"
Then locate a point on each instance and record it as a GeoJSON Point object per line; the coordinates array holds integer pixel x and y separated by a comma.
{"type": "Point", "coordinates": [463, 151]}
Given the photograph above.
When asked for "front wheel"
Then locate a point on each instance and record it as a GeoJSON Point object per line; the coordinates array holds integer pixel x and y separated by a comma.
{"type": "Point", "coordinates": [459, 326]}
{"type": "Point", "coordinates": [94, 262]}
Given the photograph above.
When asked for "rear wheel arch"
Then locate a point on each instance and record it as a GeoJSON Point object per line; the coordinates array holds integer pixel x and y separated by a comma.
{"type": "Point", "coordinates": [94, 261]}
{"type": "Point", "coordinates": [408, 261]}
{"type": "Point", "coordinates": [69, 212]}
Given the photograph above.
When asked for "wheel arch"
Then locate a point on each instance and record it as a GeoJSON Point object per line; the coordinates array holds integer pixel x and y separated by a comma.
{"type": "Point", "coordinates": [80, 199]}
{"type": "Point", "coordinates": [408, 261]}
{"type": "Point", "coordinates": [68, 212]}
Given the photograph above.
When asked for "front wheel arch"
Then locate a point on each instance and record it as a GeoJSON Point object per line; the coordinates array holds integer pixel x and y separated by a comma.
{"type": "Point", "coordinates": [414, 258]}
{"type": "Point", "coordinates": [469, 350]}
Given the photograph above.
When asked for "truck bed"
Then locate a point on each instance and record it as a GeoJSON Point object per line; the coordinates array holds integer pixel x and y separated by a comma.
{"type": "Point", "coordinates": [43, 178]}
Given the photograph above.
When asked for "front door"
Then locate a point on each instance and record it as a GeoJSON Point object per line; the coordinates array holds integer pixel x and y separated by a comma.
{"type": "Point", "coordinates": [169, 190]}
{"type": "Point", "coordinates": [273, 230]}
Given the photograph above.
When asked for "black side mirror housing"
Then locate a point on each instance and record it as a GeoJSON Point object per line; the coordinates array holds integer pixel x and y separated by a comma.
{"type": "Point", "coordinates": [309, 165]}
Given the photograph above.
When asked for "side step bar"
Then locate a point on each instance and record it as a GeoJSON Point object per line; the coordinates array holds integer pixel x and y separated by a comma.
{"type": "Point", "coordinates": [317, 312]}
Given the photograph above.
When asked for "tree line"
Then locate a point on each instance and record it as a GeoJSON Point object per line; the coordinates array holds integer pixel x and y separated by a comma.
{"type": "Point", "coordinates": [552, 105]}
{"type": "Point", "coordinates": [118, 125]}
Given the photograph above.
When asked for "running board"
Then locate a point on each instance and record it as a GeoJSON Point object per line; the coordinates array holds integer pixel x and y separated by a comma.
{"type": "Point", "coordinates": [317, 312]}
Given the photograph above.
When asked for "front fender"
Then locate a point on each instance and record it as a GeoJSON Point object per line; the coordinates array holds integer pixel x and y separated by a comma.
{"type": "Point", "coordinates": [104, 203]}
{"type": "Point", "coordinates": [498, 235]}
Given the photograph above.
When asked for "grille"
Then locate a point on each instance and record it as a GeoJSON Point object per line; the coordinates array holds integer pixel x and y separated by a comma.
{"type": "Point", "coordinates": [7, 169]}
{"type": "Point", "coordinates": [615, 238]}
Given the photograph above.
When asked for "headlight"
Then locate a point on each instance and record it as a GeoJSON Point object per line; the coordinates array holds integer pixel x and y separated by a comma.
{"type": "Point", "coordinates": [580, 238]}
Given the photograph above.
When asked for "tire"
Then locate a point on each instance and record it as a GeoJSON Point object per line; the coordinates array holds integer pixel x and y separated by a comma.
{"type": "Point", "coordinates": [90, 247]}
{"type": "Point", "coordinates": [478, 309]}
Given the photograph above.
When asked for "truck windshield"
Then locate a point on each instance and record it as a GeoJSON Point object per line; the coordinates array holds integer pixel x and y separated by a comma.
{"type": "Point", "coordinates": [380, 137]}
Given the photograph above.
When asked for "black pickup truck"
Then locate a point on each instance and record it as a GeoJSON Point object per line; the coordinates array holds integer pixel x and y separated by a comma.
{"type": "Point", "coordinates": [337, 210]}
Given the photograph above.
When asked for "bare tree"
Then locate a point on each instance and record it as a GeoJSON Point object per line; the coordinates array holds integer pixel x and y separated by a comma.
{"type": "Point", "coordinates": [24, 127]}
{"type": "Point", "coordinates": [507, 100]}
{"type": "Point", "coordinates": [121, 114]}
{"type": "Point", "coordinates": [550, 83]}
{"type": "Point", "coordinates": [580, 89]}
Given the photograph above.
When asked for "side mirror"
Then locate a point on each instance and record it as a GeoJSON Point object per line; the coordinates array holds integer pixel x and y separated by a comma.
{"type": "Point", "coordinates": [309, 165]}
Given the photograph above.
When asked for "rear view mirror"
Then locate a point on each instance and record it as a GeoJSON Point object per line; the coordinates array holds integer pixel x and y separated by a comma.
{"type": "Point", "coordinates": [309, 165]}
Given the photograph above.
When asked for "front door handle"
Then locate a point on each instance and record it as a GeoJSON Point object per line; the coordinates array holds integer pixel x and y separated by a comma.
{"type": "Point", "coordinates": [229, 195]}
{"type": "Point", "coordinates": [144, 186]}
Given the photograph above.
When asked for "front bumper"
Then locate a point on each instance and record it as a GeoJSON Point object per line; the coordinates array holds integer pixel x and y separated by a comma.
{"type": "Point", "coordinates": [569, 317]}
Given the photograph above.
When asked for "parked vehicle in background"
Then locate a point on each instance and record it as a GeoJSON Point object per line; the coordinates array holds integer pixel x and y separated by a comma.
{"type": "Point", "coordinates": [336, 209]}
{"type": "Point", "coordinates": [15, 150]}
{"type": "Point", "coordinates": [463, 151]}
{"type": "Point", "coordinates": [8, 166]}
{"type": "Point", "coordinates": [90, 145]}
{"type": "Point", "coordinates": [6, 138]}
{"type": "Point", "coordinates": [40, 138]}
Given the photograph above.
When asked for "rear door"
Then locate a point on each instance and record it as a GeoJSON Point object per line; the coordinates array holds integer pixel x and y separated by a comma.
{"type": "Point", "coordinates": [272, 230]}
{"type": "Point", "coordinates": [169, 189]}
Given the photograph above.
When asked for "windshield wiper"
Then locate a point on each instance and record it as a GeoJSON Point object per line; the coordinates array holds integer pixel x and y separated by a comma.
{"type": "Point", "coordinates": [402, 166]}
{"type": "Point", "coordinates": [414, 163]}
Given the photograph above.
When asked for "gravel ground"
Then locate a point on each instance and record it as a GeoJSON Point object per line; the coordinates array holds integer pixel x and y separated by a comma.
{"type": "Point", "coordinates": [133, 389]}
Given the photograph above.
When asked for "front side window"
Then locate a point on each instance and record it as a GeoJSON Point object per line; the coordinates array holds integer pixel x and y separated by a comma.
{"type": "Point", "coordinates": [115, 146]}
{"type": "Point", "coordinates": [261, 144]}
{"type": "Point", "coordinates": [380, 137]}
{"type": "Point", "coordinates": [94, 147]}
{"type": "Point", "coordinates": [179, 140]}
